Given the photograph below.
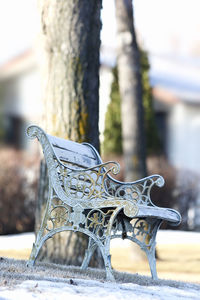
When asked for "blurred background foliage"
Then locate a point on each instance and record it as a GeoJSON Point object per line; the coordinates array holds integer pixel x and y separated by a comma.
{"type": "Point", "coordinates": [112, 142]}
{"type": "Point", "coordinates": [18, 190]}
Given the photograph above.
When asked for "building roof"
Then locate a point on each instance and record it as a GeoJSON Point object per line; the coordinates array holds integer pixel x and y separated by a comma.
{"type": "Point", "coordinates": [178, 76]}
{"type": "Point", "coordinates": [18, 64]}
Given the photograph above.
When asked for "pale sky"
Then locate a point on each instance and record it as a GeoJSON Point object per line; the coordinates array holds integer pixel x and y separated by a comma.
{"type": "Point", "coordinates": [169, 25]}
{"type": "Point", "coordinates": [18, 27]}
{"type": "Point", "coordinates": [164, 26]}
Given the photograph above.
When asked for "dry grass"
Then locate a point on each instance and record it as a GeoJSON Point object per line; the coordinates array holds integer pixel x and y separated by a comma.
{"type": "Point", "coordinates": [13, 272]}
{"type": "Point", "coordinates": [16, 254]}
{"type": "Point", "coordinates": [176, 261]}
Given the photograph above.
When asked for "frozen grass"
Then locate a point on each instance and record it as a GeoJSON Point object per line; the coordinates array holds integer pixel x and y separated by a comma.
{"type": "Point", "coordinates": [52, 281]}
{"type": "Point", "coordinates": [178, 252]}
{"type": "Point", "coordinates": [13, 272]}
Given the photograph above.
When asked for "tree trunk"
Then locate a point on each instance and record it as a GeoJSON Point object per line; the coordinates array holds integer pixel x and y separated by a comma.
{"type": "Point", "coordinates": [71, 42]}
{"type": "Point", "coordinates": [71, 37]}
{"type": "Point", "coordinates": [130, 84]}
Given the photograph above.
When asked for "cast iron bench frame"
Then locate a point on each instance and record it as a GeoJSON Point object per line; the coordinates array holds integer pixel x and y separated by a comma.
{"type": "Point", "coordinates": [83, 197]}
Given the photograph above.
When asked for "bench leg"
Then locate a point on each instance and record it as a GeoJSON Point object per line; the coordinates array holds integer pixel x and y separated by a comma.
{"type": "Point", "coordinates": [151, 249]}
{"type": "Point", "coordinates": [34, 253]}
{"type": "Point", "coordinates": [105, 250]}
{"type": "Point", "coordinates": [39, 241]}
{"type": "Point", "coordinates": [144, 234]}
{"type": "Point", "coordinates": [108, 267]}
{"type": "Point", "coordinates": [152, 260]}
{"type": "Point", "coordinates": [88, 253]}
{"type": "Point", "coordinates": [36, 247]}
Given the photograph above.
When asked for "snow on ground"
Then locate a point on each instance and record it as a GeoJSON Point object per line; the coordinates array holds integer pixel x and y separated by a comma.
{"type": "Point", "coordinates": [25, 240]}
{"type": "Point", "coordinates": [92, 289]}
{"type": "Point", "coordinates": [17, 241]}
{"type": "Point", "coordinates": [43, 283]}
{"type": "Point", "coordinates": [177, 237]}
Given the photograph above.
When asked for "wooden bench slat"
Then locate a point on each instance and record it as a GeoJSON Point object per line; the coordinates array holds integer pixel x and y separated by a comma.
{"type": "Point", "coordinates": [71, 146]}
{"type": "Point", "coordinates": [69, 151]}
{"type": "Point", "coordinates": [169, 215]}
{"type": "Point", "coordinates": [76, 158]}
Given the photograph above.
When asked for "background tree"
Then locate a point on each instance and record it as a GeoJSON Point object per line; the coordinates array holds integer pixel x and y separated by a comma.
{"type": "Point", "coordinates": [153, 143]}
{"type": "Point", "coordinates": [113, 127]}
{"type": "Point", "coordinates": [131, 93]}
{"type": "Point", "coordinates": [112, 142]}
{"type": "Point", "coordinates": [71, 42]}
{"type": "Point", "coordinates": [130, 84]}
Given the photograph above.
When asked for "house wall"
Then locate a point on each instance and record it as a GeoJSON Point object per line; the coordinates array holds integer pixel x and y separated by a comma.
{"type": "Point", "coordinates": [21, 105]}
{"type": "Point", "coordinates": [184, 136]}
{"type": "Point", "coordinates": [184, 153]}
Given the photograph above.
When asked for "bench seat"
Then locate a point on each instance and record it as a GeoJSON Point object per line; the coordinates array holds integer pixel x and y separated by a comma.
{"type": "Point", "coordinates": [166, 214]}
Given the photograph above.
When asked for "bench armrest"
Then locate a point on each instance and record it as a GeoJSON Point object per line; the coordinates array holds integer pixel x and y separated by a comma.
{"type": "Point", "coordinates": [138, 190]}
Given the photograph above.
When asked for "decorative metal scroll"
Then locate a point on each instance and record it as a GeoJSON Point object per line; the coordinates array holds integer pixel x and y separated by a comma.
{"type": "Point", "coordinates": [141, 230]}
{"type": "Point", "coordinates": [95, 220]}
{"type": "Point", "coordinates": [138, 191]}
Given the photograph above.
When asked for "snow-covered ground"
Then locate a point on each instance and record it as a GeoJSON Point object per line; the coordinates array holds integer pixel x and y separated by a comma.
{"type": "Point", "coordinates": [17, 241]}
{"type": "Point", "coordinates": [92, 289]}
{"type": "Point", "coordinates": [25, 240]}
{"type": "Point", "coordinates": [41, 287]}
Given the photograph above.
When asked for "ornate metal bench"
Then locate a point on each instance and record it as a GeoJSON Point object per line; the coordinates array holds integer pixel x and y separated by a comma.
{"type": "Point", "coordinates": [84, 197]}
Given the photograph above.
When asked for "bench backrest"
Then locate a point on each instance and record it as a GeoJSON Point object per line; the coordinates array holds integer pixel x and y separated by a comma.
{"type": "Point", "coordinates": [80, 183]}
{"type": "Point", "coordinates": [74, 158]}
{"type": "Point", "coordinates": [82, 155]}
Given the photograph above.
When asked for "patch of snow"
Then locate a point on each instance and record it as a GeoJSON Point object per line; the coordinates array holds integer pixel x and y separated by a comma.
{"type": "Point", "coordinates": [26, 240]}
{"type": "Point", "coordinates": [177, 237]}
{"type": "Point", "coordinates": [17, 241]}
{"type": "Point", "coordinates": [165, 237]}
{"type": "Point", "coordinates": [91, 289]}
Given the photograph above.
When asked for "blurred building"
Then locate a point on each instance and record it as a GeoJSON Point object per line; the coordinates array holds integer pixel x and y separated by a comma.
{"type": "Point", "coordinates": [19, 98]}
{"type": "Point", "coordinates": [176, 91]}
{"type": "Point", "coordinates": [177, 104]}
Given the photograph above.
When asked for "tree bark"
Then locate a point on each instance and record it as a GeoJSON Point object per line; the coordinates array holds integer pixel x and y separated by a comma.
{"type": "Point", "coordinates": [130, 84]}
{"type": "Point", "coordinates": [71, 42]}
